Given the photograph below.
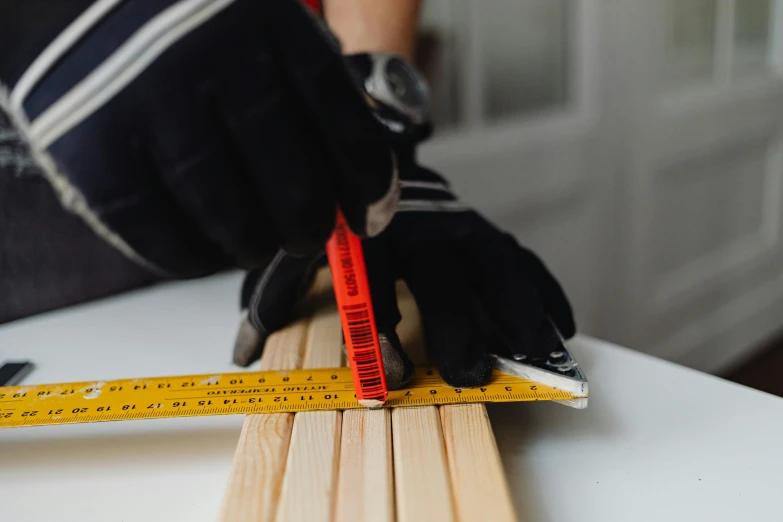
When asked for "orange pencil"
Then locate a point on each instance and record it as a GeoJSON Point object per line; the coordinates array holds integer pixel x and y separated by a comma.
{"type": "Point", "coordinates": [352, 290]}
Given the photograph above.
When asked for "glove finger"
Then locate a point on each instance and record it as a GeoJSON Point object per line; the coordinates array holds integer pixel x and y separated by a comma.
{"type": "Point", "coordinates": [199, 166]}
{"type": "Point", "coordinates": [380, 272]}
{"type": "Point", "coordinates": [509, 281]}
{"type": "Point", "coordinates": [269, 297]}
{"type": "Point", "coordinates": [289, 168]}
{"type": "Point", "coordinates": [365, 174]}
{"type": "Point", "coordinates": [555, 301]}
{"type": "Point", "coordinates": [448, 312]}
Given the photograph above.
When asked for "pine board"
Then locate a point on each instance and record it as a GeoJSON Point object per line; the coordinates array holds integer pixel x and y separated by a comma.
{"type": "Point", "coordinates": [311, 470]}
{"type": "Point", "coordinates": [476, 473]}
{"type": "Point", "coordinates": [256, 476]}
{"type": "Point", "coordinates": [366, 478]}
{"type": "Point", "coordinates": [420, 471]}
{"type": "Point", "coordinates": [310, 481]}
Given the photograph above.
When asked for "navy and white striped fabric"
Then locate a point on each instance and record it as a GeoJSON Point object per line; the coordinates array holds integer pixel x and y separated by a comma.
{"type": "Point", "coordinates": [107, 46]}
{"type": "Point", "coordinates": [191, 134]}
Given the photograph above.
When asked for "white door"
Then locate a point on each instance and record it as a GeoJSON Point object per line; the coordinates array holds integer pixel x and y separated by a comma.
{"type": "Point", "coordinates": [705, 195]}
{"type": "Point", "coordinates": [636, 146]}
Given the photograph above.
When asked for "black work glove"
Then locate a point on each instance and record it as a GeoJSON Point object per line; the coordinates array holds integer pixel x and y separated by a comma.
{"type": "Point", "coordinates": [197, 133]}
{"type": "Point", "coordinates": [478, 291]}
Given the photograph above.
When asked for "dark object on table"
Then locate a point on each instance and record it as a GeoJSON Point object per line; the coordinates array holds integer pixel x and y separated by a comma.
{"type": "Point", "coordinates": [12, 373]}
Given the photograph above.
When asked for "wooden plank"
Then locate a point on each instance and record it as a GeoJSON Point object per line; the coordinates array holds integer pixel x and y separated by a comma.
{"type": "Point", "coordinates": [420, 469]}
{"type": "Point", "coordinates": [254, 483]}
{"type": "Point", "coordinates": [259, 462]}
{"type": "Point", "coordinates": [310, 481]}
{"type": "Point", "coordinates": [257, 471]}
{"type": "Point", "coordinates": [311, 470]}
{"type": "Point", "coordinates": [477, 478]}
{"type": "Point", "coordinates": [323, 348]}
{"type": "Point", "coordinates": [366, 476]}
{"type": "Point", "coordinates": [366, 480]}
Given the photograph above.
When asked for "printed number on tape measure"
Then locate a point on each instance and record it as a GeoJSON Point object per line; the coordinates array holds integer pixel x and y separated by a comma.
{"type": "Point", "coordinates": [235, 393]}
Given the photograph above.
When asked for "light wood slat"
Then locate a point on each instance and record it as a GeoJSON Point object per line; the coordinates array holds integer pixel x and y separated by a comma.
{"type": "Point", "coordinates": [366, 476]}
{"type": "Point", "coordinates": [311, 470]}
{"type": "Point", "coordinates": [257, 471]}
{"type": "Point", "coordinates": [309, 485]}
{"type": "Point", "coordinates": [477, 478]}
{"type": "Point", "coordinates": [259, 462]}
{"type": "Point", "coordinates": [420, 470]}
{"type": "Point", "coordinates": [323, 349]}
{"type": "Point", "coordinates": [366, 479]}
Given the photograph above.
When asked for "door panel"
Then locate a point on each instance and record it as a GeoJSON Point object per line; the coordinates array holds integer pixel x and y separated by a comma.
{"type": "Point", "coordinates": [637, 147]}
{"type": "Point", "coordinates": [708, 254]}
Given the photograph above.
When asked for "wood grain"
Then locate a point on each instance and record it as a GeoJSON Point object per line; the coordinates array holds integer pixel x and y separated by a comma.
{"type": "Point", "coordinates": [310, 481]}
{"type": "Point", "coordinates": [477, 479]}
{"type": "Point", "coordinates": [311, 470]}
{"type": "Point", "coordinates": [256, 476]}
{"type": "Point", "coordinates": [259, 462]}
{"type": "Point", "coordinates": [366, 478]}
{"type": "Point", "coordinates": [410, 464]}
{"type": "Point", "coordinates": [420, 468]}
{"type": "Point", "coordinates": [254, 483]}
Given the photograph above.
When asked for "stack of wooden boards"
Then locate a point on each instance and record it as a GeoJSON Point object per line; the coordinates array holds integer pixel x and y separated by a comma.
{"type": "Point", "coordinates": [402, 464]}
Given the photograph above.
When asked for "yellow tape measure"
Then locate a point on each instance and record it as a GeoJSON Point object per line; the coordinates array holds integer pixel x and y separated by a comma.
{"type": "Point", "coordinates": [234, 393]}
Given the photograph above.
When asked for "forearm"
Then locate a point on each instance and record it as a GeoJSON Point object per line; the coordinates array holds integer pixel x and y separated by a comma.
{"type": "Point", "coordinates": [374, 25]}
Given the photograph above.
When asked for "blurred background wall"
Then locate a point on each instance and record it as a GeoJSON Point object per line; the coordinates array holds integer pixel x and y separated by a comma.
{"type": "Point", "coordinates": [636, 145]}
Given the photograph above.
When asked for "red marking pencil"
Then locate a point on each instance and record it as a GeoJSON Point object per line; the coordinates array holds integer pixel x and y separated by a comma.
{"type": "Point", "coordinates": [352, 290]}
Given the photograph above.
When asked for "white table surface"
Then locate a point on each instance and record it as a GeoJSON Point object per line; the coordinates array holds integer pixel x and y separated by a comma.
{"type": "Point", "coordinates": [658, 441]}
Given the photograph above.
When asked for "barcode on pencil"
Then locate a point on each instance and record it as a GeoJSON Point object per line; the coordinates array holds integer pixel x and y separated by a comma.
{"type": "Point", "coordinates": [362, 351]}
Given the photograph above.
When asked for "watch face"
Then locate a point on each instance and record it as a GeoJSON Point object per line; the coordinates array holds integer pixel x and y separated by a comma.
{"type": "Point", "coordinates": [404, 83]}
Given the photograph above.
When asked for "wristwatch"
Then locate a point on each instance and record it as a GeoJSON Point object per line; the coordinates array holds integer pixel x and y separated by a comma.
{"type": "Point", "coordinates": [391, 80]}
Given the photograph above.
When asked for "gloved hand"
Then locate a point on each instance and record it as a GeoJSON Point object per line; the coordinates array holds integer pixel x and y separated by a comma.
{"type": "Point", "coordinates": [196, 133]}
{"type": "Point", "coordinates": [478, 291]}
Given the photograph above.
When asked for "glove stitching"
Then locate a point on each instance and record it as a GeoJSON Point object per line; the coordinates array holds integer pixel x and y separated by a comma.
{"type": "Point", "coordinates": [424, 205]}
{"type": "Point", "coordinates": [430, 185]}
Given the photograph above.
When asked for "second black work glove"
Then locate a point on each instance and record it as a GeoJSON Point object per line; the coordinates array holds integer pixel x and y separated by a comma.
{"type": "Point", "coordinates": [477, 289]}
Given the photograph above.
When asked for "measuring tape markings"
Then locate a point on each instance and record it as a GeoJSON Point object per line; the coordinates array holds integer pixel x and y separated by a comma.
{"type": "Point", "coordinates": [238, 393]}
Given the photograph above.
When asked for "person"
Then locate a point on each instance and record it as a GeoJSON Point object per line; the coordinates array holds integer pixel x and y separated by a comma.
{"type": "Point", "coordinates": [195, 135]}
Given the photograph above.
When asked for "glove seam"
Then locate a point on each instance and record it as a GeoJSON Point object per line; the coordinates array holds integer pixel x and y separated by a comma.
{"type": "Point", "coordinates": [429, 185]}
{"type": "Point", "coordinates": [426, 205]}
